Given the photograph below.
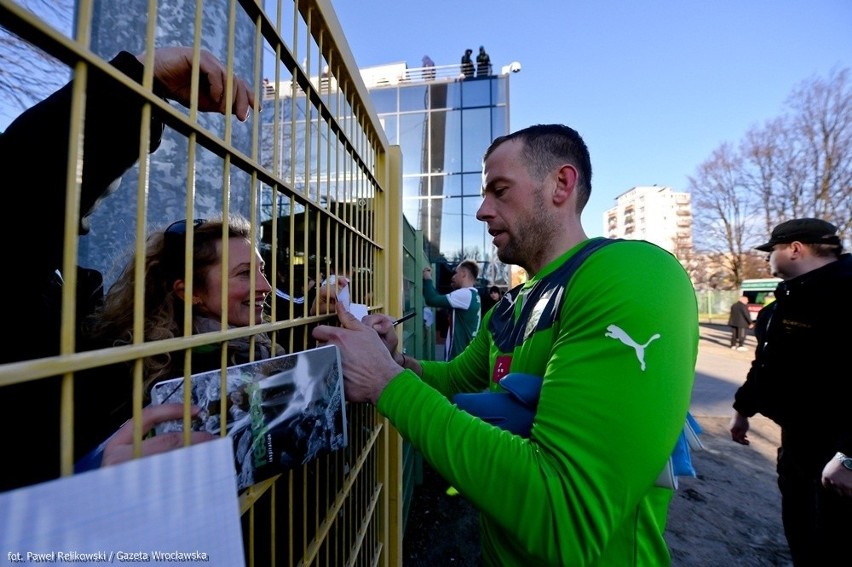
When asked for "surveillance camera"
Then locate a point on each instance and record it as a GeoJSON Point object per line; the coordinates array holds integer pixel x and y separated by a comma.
{"type": "Point", "coordinates": [515, 67]}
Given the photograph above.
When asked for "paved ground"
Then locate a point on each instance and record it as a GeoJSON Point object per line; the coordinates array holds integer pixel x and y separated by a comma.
{"type": "Point", "coordinates": [728, 515]}
{"type": "Point", "coordinates": [731, 513]}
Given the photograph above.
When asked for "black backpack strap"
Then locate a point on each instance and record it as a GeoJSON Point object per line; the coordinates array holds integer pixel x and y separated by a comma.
{"type": "Point", "coordinates": [542, 304]}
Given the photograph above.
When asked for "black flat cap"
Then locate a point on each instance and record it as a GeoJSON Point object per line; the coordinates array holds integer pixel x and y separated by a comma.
{"type": "Point", "coordinates": [807, 231]}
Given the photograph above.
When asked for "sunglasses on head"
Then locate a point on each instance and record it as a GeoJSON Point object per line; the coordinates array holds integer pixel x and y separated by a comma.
{"type": "Point", "coordinates": [179, 227]}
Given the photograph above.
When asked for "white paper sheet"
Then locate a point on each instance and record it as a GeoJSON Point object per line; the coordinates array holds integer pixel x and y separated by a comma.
{"type": "Point", "coordinates": [158, 507]}
{"type": "Point", "coordinates": [359, 310]}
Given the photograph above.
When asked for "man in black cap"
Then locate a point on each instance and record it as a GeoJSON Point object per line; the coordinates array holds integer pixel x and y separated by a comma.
{"type": "Point", "coordinates": [800, 379]}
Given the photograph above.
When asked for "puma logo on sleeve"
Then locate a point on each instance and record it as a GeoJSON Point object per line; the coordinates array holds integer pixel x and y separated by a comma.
{"type": "Point", "coordinates": [616, 332]}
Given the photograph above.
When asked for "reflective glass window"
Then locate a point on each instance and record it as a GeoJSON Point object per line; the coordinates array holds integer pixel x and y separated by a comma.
{"type": "Point", "coordinates": [411, 131]}
{"type": "Point", "coordinates": [472, 185]}
{"type": "Point", "coordinates": [431, 221]}
{"type": "Point", "coordinates": [476, 238]}
{"type": "Point", "coordinates": [411, 211]}
{"type": "Point", "coordinates": [452, 142]}
{"type": "Point", "coordinates": [411, 187]}
{"type": "Point", "coordinates": [438, 96]}
{"type": "Point", "coordinates": [451, 185]}
{"type": "Point", "coordinates": [454, 94]}
{"type": "Point", "coordinates": [384, 100]}
{"type": "Point", "coordinates": [451, 227]}
{"type": "Point", "coordinates": [499, 91]}
{"type": "Point", "coordinates": [476, 92]}
{"type": "Point", "coordinates": [499, 120]}
{"type": "Point", "coordinates": [413, 98]}
{"type": "Point", "coordinates": [437, 140]}
{"type": "Point", "coordinates": [476, 136]}
{"type": "Point", "coordinates": [389, 124]}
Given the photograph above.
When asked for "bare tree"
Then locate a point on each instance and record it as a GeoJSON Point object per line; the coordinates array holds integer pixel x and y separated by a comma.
{"type": "Point", "coordinates": [472, 253]}
{"type": "Point", "coordinates": [724, 212]}
{"type": "Point", "coordinates": [822, 117]}
{"type": "Point", "coordinates": [765, 170]}
{"type": "Point", "coordinates": [28, 74]}
{"type": "Point", "coordinates": [800, 165]}
{"type": "Point", "coordinates": [797, 165]}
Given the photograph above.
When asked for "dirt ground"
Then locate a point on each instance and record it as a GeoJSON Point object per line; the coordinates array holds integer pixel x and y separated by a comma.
{"type": "Point", "coordinates": [731, 513]}
{"type": "Point", "coordinates": [442, 530]}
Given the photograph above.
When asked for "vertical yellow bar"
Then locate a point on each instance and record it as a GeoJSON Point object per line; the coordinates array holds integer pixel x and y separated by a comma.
{"type": "Point", "coordinates": [389, 288]}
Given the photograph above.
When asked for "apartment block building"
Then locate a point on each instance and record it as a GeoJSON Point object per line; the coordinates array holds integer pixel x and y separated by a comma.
{"type": "Point", "coordinates": [654, 213]}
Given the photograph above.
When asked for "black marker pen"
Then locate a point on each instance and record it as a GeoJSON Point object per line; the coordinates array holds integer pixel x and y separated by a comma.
{"type": "Point", "coordinates": [404, 318]}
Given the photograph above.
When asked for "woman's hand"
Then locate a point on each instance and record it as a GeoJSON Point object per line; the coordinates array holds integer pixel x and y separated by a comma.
{"type": "Point", "coordinates": [119, 448]}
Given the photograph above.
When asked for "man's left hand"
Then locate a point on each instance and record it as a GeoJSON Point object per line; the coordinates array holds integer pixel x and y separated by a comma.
{"type": "Point", "coordinates": [173, 69]}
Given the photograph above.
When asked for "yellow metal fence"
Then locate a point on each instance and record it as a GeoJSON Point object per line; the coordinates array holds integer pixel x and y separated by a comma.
{"type": "Point", "coordinates": [314, 174]}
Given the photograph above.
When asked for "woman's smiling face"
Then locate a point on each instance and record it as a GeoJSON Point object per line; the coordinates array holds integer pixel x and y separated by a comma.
{"type": "Point", "coordinates": [241, 304]}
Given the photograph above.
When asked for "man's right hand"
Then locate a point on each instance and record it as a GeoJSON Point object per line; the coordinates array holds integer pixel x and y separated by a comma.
{"type": "Point", "coordinates": [173, 69]}
{"type": "Point", "coordinates": [739, 428]}
{"type": "Point", "coordinates": [427, 273]}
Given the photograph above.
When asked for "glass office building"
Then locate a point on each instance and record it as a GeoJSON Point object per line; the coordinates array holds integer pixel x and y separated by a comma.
{"type": "Point", "coordinates": [443, 124]}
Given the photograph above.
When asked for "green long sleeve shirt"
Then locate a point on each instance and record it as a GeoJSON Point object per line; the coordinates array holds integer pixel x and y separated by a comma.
{"type": "Point", "coordinates": [466, 315]}
{"type": "Point", "coordinates": [618, 362]}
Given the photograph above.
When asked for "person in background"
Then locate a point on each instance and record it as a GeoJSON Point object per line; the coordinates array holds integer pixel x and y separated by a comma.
{"type": "Point", "coordinates": [611, 328]}
{"type": "Point", "coordinates": [740, 322]}
{"type": "Point", "coordinates": [483, 63]}
{"type": "Point", "coordinates": [428, 68]}
{"type": "Point", "coordinates": [303, 292]}
{"type": "Point", "coordinates": [331, 290]}
{"type": "Point", "coordinates": [467, 64]}
{"type": "Point", "coordinates": [302, 301]}
{"type": "Point", "coordinates": [34, 148]}
{"type": "Point", "coordinates": [463, 304]}
{"type": "Point", "coordinates": [797, 379]}
{"type": "Point", "coordinates": [490, 299]}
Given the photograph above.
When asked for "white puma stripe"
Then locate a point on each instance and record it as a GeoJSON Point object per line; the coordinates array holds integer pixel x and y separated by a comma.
{"type": "Point", "coordinates": [615, 332]}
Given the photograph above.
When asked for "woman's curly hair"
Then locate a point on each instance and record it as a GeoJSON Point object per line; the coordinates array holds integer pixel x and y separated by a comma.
{"type": "Point", "coordinates": [164, 309]}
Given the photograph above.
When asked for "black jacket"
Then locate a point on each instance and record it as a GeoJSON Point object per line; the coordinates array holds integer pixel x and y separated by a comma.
{"type": "Point", "coordinates": [33, 157]}
{"type": "Point", "coordinates": [467, 65]}
{"type": "Point", "coordinates": [800, 377]}
{"type": "Point", "coordinates": [739, 317]}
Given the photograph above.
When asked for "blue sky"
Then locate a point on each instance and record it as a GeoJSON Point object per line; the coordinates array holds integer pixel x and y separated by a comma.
{"type": "Point", "coordinates": [652, 86]}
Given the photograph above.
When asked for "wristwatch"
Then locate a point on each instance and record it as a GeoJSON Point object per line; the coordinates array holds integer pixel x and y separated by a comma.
{"type": "Point", "coordinates": [844, 460]}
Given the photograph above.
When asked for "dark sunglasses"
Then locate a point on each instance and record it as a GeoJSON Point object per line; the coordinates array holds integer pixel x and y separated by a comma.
{"type": "Point", "coordinates": [179, 227]}
{"type": "Point", "coordinates": [175, 239]}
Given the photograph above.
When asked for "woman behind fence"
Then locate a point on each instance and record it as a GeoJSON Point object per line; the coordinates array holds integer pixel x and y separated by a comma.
{"type": "Point", "coordinates": [166, 299]}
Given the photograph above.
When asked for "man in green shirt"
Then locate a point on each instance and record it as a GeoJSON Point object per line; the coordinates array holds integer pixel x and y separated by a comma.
{"type": "Point", "coordinates": [463, 303]}
{"type": "Point", "coordinates": [614, 338]}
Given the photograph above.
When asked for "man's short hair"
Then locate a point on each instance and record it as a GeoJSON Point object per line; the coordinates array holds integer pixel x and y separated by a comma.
{"type": "Point", "coordinates": [548, 146]}
{"type": "Point", "coordinates": [471, 267]}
